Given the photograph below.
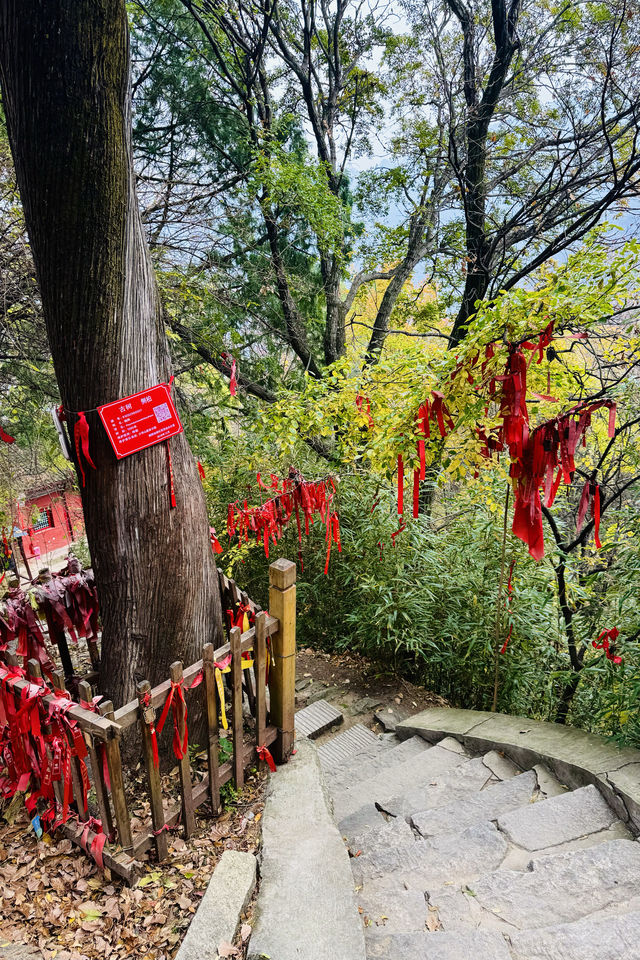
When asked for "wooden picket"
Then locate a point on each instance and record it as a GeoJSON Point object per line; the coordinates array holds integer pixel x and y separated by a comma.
{"type": "Point", "coordinates": [103, 728]}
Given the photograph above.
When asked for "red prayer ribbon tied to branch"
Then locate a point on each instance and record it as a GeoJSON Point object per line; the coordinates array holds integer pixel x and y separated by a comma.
{"type": "Point", "coordinates": [230, 365]}
{"type": "Point", "coordinates": [293, 494]}
{"type": "Point", "coordinates": [5, 437]}
{"type": "Point", "coordinates": [366, 411]}
{"type": "Point", "coordinates": [604, 641]}
{"type": "Point", "coordinates": [433, 410]}
{"type": "Point", "coordinates": [541, 458]}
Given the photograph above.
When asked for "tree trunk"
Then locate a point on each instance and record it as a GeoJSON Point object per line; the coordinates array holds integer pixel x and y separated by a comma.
{"type": "Point", "coordinates": [66, 87]}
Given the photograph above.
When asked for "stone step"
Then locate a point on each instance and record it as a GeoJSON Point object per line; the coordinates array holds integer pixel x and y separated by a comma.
{"type": "Point", "coordinates": [397, 776]}
{"type": "Point", "coordinates": [451, 784]}
{"type": "Point", "coordinates": [437, 946]}
{"type": "Point", "coordinates": [392, 830]}
{"type": "Point", "coordinates": [488, 804]}
{"type": "Point", "coordinates": [220, 910]}
{"type": "Point", "coordinates": [306, 902]}
{"type": "Point", "coordinates": [548, 784]}
{"type": "Point", "coordinates": [500, 766]}
{"type": "Point", "coordinates": [389, 907]}
{"type": "Point", "coordinates": [559, 888]}
{"type": "Point", "coordinates": [455, 783]}
{"type": "Point", "coordinates": [601, 938]}
{"type": "Point", "coordinates": [366, 767]}
{"type": "Point", "coordinates": [419, 864]}
{"type": "Point", "coordinates": [317, 718]}
{"type": "Point", "coordinates": [557, 820]}
{"type": "Point", "coordinates": [347, 745]}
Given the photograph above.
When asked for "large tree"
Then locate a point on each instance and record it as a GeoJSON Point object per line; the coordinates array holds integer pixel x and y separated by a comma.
{"type": "Point", "coordinates": [66, 88]}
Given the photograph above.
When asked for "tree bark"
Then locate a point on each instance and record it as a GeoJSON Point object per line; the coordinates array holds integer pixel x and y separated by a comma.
{"type": "Point", "coordinates": [64, 68]}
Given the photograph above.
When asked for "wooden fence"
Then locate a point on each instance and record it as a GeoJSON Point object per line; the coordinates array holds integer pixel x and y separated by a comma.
{"type": "Point", "coordinates": [271, 728]}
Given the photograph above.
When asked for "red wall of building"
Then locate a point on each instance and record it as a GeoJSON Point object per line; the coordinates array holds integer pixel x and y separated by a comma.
{"type": "Point", "coordinates": [67, 522]}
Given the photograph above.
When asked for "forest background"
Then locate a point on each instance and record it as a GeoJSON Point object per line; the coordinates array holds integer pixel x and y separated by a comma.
{"type": "Point", "coordinates": [346, 203]}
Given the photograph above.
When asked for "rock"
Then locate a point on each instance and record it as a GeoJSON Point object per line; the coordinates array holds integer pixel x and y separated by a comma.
{"type": "Point", "coordinates": [488, 804]}
{"type": "Point", "coordinates": [218, 914]}
{"type": "Point", "coordinates": [558, 820]}
{"type": "Point", "coordinates": [389, 717]}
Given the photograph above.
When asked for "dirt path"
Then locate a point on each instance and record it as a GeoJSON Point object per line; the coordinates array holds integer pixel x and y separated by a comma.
{"type": "Point", "coordinates": [359, 688]}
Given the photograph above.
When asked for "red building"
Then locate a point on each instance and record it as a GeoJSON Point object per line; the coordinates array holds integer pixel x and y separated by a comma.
{"type": "Point", "coordinates": [52, 519]}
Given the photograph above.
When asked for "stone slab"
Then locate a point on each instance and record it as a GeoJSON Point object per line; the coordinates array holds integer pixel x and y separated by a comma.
{"type": "Point", "coordinates": [500, 766]}
{"type": "Point", "coordinates": [306, 903]}
{"type": "Point", "coordinates": [488, 804]}
{"type": "Point", "coordinates": [370, 767]}
{"type": "Point", "coordinates": [451, 784]}
{"type": "Point", "coordinates": [606, 938]}
{"type": "Point", "coordinates": [560, 888]}
{"type": "Point", "coordinates": [346, 745]}
{"type": "Point", "coordinates": [390, 908]}
{"type": "Point", "coordinates": [421, 863]}
{"type": "Point", "coordinates": [557, 820]}
{"type": "Point", "coordinates": [317, 718]}
{"type": "Point", "coordinates": [388, 832]}
{"type": "Point", "coordinates": [548, 785]}
{"type": "Point", "coordinates": [218, 915]}
{"type": "Point", "coordinates": [393, 780]}
{"type": "Point", "coordinates": [437, 946]}
{"type": "Point", "coordinates": [574, 756]}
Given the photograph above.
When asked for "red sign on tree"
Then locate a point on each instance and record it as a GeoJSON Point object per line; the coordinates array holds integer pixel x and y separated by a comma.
{"type": "Point", "coordinates": [140, 421]}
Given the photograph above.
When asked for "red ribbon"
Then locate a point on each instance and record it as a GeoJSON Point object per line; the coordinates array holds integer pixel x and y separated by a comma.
{"type": "Point", "coordinates": [5, 437]}
{"type": "Point", "coordinates": [264, 754]}
{"type": "Point", "coordinates": [607, 637]}
{"type": "Point", "coordinates": [172, 489]}
{"type": "Point", "coordinates": [203, 475]}
{"type": "Point", "coordinates": [81, 437]}
{"type": "Point", "coordinates": [177, 703]}
{"type": "Point", "coordinates": [400, 485]}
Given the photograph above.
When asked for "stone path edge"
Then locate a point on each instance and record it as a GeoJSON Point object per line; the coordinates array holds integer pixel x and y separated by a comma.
{"type": "Point", "coordinates": [576, 757]}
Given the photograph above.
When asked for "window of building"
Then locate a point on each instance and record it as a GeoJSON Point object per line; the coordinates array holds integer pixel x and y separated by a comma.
{"type": "Point", "coordinates": [44, 521]}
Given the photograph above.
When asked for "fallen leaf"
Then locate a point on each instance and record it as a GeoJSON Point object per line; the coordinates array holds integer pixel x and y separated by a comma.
{"type": "Point", "coordinates": [227, 950]}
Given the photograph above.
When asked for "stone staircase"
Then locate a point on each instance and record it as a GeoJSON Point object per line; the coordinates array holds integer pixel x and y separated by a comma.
{"type": "Point", "coordinates": [457, 856]}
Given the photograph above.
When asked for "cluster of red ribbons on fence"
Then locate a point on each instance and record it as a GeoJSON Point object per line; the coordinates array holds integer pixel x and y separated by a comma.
{"type": "Point", "coordinates": [540, 458]}
{"type": "Point", "coordinates": [38, 743]}
{"type": "Point", "coordinates": [293, 494]}
{"type": "Point", "coordinates": [69, 601]}
{"type": "Point", "coordinates": [19, 625]}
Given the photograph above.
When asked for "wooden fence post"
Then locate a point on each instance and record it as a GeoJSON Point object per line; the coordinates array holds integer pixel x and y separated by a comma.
{"type": "Point", "coordinates": [213, 746]}
{"type": "Point", "coordinates": [282, 676]}
{"type": "Point", "coordinates": [147, 729]}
